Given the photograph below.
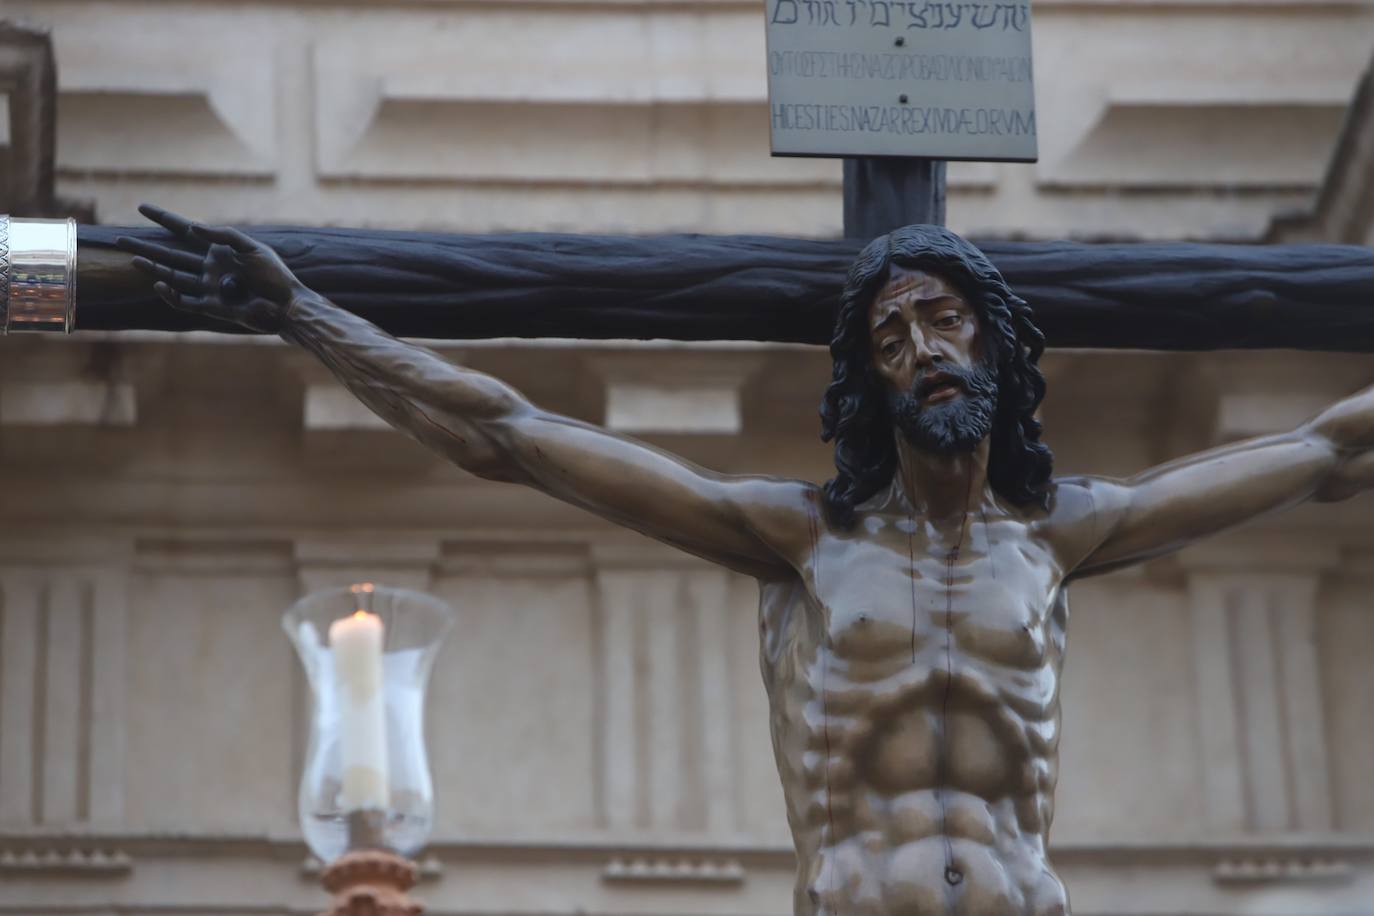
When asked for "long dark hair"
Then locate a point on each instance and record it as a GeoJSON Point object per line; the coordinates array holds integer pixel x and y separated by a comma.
{"type": "Point", "coordinates": [854, 411]}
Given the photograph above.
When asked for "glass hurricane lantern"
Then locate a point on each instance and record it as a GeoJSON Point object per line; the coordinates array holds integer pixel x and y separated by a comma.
{"type": "Point", "coordinates": [367, 651]}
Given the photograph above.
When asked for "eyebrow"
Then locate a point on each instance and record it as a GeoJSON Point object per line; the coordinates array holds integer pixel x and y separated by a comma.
{"type": "Point", "coordinates": [890, 314]}
{"type": "Point", "coordinates": [921, 302]}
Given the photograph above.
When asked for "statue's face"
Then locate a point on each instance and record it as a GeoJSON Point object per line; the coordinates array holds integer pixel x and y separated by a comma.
{"type": "Point", "coordinates": [925, 344]}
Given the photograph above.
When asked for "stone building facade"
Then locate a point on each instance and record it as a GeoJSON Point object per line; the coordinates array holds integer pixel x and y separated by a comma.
{"type": "Point", "coordinates": [597, 726]}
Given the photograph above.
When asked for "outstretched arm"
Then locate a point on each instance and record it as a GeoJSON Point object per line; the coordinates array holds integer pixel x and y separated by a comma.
{"type": "Point", "coordinates": [751, 524]}
{"type": "Point", "coordinates": [1105, 524]}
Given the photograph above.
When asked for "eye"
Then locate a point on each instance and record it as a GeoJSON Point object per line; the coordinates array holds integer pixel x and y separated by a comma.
{"type": "Point", "coordinates": [949, 320]}
{"type": "Point", "coordinates": [891, 348]}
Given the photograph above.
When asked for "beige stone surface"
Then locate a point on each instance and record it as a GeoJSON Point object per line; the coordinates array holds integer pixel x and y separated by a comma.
{"type": "Point", "coordinates": [1344, 637]}
{"type": "Point", "coordinates": [1129, 757]}
{"type": "Point", "coordinates": [521, 643]}
{"type": "Point", "coordinates": [208, 730]}
{"type": "Point", "coordinates": [1155, 119]}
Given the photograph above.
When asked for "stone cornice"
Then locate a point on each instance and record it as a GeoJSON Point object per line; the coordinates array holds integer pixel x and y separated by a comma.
{"type": "Point", "coordinates": [267, 873]}
{"type": "Point", "coordinates": [595, 845]}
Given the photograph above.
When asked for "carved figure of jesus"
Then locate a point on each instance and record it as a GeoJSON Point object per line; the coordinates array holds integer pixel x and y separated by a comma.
{"type": "Point", "coordinates": [913, 608]}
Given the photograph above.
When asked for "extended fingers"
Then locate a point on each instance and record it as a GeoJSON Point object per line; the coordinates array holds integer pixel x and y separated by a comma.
{"type": "Point", "coordinates": [224, 235]}
{"type": "Point", "coordinates": [177, 225]}
{"type": "Point", "coordinates": [161, 254]}
{"type": "Point", "coordinates": [178, 280]}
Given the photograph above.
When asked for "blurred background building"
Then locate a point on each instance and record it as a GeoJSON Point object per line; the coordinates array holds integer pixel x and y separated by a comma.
{"type": "Point", "coordinates": [598, 727]}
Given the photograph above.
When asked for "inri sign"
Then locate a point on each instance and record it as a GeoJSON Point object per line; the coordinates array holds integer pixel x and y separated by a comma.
{"type": "Point", "coordinates": [885, 78]}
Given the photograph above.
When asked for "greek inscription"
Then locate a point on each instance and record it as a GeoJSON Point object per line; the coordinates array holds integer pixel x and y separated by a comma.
{"type": "Point", "coordinates": [933, 68]}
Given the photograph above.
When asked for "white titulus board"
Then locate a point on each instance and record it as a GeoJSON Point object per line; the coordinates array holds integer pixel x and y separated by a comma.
{"type": "Point", "coordinates": [884, 78]}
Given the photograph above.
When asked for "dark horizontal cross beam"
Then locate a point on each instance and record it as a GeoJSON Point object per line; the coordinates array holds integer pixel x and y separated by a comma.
{"type": "Point", "coordinates": [1165, 296]}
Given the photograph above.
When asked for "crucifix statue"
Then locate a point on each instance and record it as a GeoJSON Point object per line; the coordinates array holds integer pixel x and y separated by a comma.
{"type": "Point", "coordinates": [912, 609]}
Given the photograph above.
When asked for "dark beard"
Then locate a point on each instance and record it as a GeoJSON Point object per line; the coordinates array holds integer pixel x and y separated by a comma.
{"type": "Point", "coordinates": [952, 426]}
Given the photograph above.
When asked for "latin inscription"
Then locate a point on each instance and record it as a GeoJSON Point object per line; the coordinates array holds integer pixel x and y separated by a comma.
{"type": "Point", "coordinates": [904, 120]}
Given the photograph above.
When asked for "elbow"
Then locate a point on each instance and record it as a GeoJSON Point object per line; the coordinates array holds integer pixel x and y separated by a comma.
{"type": "Point", "coordinates": [1350, 471]}
{"type": "Point", "coordinates": [1346, 427]}
{"type": "Point", "coordinates": [482, 452]}
{"type": "Point", "coordinates": [482, 460]}
{"type": "Point", "coordinates": [492, 449]}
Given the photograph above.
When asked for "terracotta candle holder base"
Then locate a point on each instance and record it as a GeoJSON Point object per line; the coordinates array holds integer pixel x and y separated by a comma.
{"type": "Point", "coordinates": [370, 883]}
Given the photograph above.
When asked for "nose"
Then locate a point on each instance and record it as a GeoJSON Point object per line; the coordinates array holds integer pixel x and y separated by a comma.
{"type": "Point", "coordinates": [925, 354]}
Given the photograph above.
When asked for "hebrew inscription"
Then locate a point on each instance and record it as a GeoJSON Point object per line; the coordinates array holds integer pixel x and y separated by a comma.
{"type": "Point", "coordinates": [880, 14]}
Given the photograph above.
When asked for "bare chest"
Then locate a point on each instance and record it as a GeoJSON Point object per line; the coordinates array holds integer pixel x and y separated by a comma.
{"type": "Point", "coordinates": [893, 591]}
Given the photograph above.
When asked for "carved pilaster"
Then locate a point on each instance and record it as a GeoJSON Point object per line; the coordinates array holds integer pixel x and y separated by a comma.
{"type": "Point", "coordinates": [618, 598]}
{"type": "Point", "coordinates": [708, 595]}
{"type": "Point", "coordinates": [1259, 709]}
{"type": "Point", "coordinates": [23, 597]}
{"type": "Point", "coordinates": [62, 684]}
{"type": "Point", "coordinates": [666, 697]}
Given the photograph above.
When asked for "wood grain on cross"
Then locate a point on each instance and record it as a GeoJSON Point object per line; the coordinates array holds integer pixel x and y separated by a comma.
{"type": "Point", "coordinates": [1164, 296]}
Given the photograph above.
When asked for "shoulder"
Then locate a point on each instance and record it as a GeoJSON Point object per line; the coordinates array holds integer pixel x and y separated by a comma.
{"type": "Point", "coordinates": [785, 514]}
{"type": "Point", "coordinates": [775, 494]}
{"type": "Point", "coordinates": [1081, 498]}
{"type": "Point", "coordinates": [1081, 513]}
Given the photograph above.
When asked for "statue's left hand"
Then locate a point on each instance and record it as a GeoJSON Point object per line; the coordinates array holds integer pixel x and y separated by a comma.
{"type": "Point", "coordinates": [233, 277]}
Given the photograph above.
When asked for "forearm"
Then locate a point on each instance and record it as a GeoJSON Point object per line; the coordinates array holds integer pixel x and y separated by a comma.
{"type": "Point", "coordinates": [454, 410]}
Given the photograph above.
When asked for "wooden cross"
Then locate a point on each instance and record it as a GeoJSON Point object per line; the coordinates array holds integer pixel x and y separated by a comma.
{"type": "Point", "coordinates": [1160, 296]}
{"type": "Point", "coordinates": [885, 194]}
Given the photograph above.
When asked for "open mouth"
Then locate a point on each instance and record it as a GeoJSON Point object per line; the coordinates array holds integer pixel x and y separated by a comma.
{"type": "Point", "coordinates": [940, 388]}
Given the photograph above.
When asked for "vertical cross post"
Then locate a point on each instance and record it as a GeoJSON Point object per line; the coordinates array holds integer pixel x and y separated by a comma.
{"type": "Point", "coordinates": [882, 194]}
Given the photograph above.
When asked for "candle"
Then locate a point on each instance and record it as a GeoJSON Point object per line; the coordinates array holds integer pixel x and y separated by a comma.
{"type": "Point", "coordinates": [357, 645]}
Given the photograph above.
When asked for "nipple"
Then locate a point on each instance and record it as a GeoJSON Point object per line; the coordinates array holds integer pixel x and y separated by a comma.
{"type": "Point", "coordinates": [953, 876]}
